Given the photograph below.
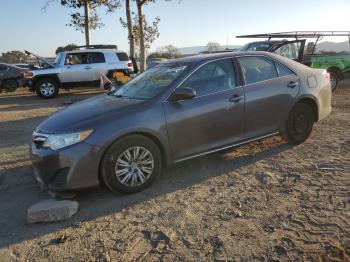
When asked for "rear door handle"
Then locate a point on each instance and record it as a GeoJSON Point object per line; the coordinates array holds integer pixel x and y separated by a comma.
{"type": "Point", "coordinates": [87, 67]}
{"type": "Point", "coordinates": [292, 84]}
{"type": "Point", "coordinates": [236, 98]}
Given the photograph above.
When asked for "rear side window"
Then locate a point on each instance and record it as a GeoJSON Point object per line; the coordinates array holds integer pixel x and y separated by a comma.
{"type": "Point", "coordinates": [123, 57]}
{"type": "Point", "coordinates": [97, 58]}
{"type": "Point", "coordinates": [283, 71]}
{"type": "Point", "coordinates": [256, 69]}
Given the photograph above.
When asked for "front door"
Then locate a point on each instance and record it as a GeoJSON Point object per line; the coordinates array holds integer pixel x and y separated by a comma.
{"type": "Point", "coordinates": [211, 120]}
{"type": "Point", "coordinates": [270, 89]}
{"type": "Point", "coordinates": [76, 69]}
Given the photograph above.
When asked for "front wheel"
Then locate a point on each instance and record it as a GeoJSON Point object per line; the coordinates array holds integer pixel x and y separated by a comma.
{"type": "Point", "coordinates": [299, 124]}
{"type": "Point", "coordinates": [47, 88]}
{"type": "Point", "coordinates": [131, 164]}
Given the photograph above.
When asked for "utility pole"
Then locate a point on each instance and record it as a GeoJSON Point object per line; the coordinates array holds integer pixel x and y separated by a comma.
{"type": "Point", "coordinates": [87, 20]}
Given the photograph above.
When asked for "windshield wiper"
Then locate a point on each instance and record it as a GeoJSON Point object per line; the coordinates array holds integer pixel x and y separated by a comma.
{"type": "Point", "coordinates": [121, 96]}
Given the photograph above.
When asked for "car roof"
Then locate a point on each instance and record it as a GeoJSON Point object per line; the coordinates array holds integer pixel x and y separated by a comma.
{"type": "Point", "coordinates": [213, 56]}
{"type": "Point", "coordinates": [94, 50]}
{"type": "Point", "coordinates": [11, 66]}
{"type": "Point", "coordinates": [202, 58]}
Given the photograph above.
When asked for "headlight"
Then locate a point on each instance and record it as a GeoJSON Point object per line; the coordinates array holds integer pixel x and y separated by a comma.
{"type": "Point", "coordinates": [63, 140]}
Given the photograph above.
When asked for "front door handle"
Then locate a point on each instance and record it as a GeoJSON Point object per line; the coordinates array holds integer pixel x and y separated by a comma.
{"type": "Point", "coordinates": [292, 84]}
{"type": "Point", "coordinates": [236, 98]}
{"type": "Point", "coordinates": [87, 67]}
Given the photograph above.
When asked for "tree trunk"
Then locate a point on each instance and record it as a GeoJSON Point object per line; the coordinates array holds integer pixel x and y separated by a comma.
{"type": "Point", "coordinates": [130, 29]}
{"type": "Point", "coordinates": [87, 25]}
{"type": "Point", "coordinates": [142, 35]}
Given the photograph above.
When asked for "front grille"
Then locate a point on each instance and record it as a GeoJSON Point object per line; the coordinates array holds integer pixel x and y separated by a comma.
{"type": "Point", "coordinates": [59, 181]}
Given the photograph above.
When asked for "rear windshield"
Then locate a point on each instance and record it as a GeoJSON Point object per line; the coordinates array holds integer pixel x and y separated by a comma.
{"type": "Point", "coordinates": [123, 57]}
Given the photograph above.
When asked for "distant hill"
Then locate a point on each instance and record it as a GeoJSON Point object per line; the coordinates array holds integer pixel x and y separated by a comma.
{"type": "Point", "coordinates": [333, 47]}
{"type": "Point", "coordinates": [325, 46]}
{"type": "Point", "coordinates": [196, 49]}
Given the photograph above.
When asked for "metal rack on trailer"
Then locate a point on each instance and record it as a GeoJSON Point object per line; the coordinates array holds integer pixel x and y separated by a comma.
{"type": "Point", "coordinates": [337, 65]}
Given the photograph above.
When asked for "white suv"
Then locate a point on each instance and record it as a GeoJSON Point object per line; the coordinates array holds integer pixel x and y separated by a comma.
{"type": "Point", "coordinates": [82, 67]}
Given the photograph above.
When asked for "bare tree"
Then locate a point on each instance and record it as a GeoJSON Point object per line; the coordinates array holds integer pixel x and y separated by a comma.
{"type": "Point", "coordinates": [146, 33]}
{"type": "Point", "coordinates": [213, 46]}
{"type": "Point", "coordinates": [143, 33]}
{"type": "Point", "coordinates": [88, 19]}
{"type": "Point", "coordinates": [130, 29]}
{"type": "Point", "coordinates": [171, 51]}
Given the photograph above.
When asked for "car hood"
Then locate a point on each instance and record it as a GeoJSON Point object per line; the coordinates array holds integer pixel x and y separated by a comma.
{"type": "Point", "coordinates": [40, 58]}
{"type": "Point", "coordinates": [88, 114]}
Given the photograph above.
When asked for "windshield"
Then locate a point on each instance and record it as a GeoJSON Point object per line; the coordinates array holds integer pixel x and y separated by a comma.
{"type": "Point", "coordinates": [58, 59]}
{"type": "Point", "coordinates": [151, 82]}
{"type": "Point", "coordinates": [262, 46]}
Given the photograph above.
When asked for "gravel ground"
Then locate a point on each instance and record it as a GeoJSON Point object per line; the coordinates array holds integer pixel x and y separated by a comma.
{"type": "Point", "coordinates": [265, 201]}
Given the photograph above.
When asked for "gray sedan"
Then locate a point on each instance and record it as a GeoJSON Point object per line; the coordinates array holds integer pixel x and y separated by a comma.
{"type": "Point", "coordinates": [176, 111]}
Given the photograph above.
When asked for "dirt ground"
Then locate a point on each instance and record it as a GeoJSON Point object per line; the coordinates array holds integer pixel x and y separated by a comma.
{"type": "Point", "coordinates": [265, 201]}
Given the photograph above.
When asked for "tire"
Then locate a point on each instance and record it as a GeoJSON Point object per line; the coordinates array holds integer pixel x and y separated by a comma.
{"type": "Point", "coordinates": [116, 161]}
{"type": "Point", "coordinates": [10, 85]}
{"type": "Point", "coordinates": [335, 78]}
{"type": "Point", "coordinates": [299, 124]}
{"type": "Point", "coordinates": [47, 88]}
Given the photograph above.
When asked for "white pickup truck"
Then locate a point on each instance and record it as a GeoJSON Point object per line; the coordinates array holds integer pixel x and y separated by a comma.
{"type": "Point", "coordinates": [82, 67]}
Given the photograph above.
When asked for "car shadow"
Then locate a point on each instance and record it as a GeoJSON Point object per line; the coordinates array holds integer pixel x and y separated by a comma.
{"type": "Point", "coordinates": [25, 102]}
{"type": "Point", "coordinates": [96, 203]}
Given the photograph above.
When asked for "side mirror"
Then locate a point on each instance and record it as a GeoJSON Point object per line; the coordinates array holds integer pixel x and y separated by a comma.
{"type": "Point", "coordinates": [182, 93]}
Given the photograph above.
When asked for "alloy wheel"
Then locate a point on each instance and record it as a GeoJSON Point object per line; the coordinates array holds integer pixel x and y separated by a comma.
{"type": "Point", "coordinates": [134, 166]}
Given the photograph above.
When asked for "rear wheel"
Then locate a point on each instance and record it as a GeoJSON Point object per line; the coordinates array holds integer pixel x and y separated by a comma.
{"type": "Point", "coordinates": [335, 78]}
{"type": "Point", "coordinates": [10, 85]}
{"type": "Point", "coordinates": [300, 123]}
{"type": "Point", "coordinates": [131, 164]}
{"type": "Point", "coordinates": [47, 88]}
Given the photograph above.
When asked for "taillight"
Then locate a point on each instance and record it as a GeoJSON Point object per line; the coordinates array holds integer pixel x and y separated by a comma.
{"type": "Point", "coordinates": [129, 64]}
{"type": "Point", "coordinates": [28, 74]}
{"type": "Point", "coordinates": [326, 74]}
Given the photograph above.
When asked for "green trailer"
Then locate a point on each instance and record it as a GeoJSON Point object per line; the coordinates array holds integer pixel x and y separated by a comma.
{"type": "Point", "coordinates": [337, 65]}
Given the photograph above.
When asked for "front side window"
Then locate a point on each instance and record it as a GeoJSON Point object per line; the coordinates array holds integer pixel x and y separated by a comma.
{"type": "Point", "coordinates": [256, 69]}
{"type": "Point", "coordinates": [213, 77]}
{"type": "Point", "coordinates": [76, 59]}
{"type": "Point", "coordinates": [151, 82]}
{"type": "Point", "coordinates": [3, 68]}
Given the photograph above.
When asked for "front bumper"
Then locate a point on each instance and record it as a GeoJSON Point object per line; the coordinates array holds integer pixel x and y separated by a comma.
{"type": "Point", "coordinates": [71, 168]}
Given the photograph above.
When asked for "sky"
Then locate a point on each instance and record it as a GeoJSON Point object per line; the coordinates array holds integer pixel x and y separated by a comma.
{"type": "Point", "coordinates": [26, 26]}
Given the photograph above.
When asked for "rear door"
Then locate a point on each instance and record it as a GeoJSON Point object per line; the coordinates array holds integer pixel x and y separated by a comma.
{"type": "Point", "coordinates": [212, 119]}
{"type": "Point", "coordinates": [270, 89]}
{"type": "Point", "coordinates": [76, 69]}
{"type": "Point", "coordinates": [97, 62]}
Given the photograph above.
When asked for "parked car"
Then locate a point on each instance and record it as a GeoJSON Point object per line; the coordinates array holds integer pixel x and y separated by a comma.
{"type": "Point", "coordinates": [337, 65]}
{"type": "Point", "coordinates": [11, 77]}
{"type": "Point", "coordinates": [82, 67]}
{"type": "Point", "coordinates": [26, 66]}
{"type": "Point", "coordinates": [176, 111]}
